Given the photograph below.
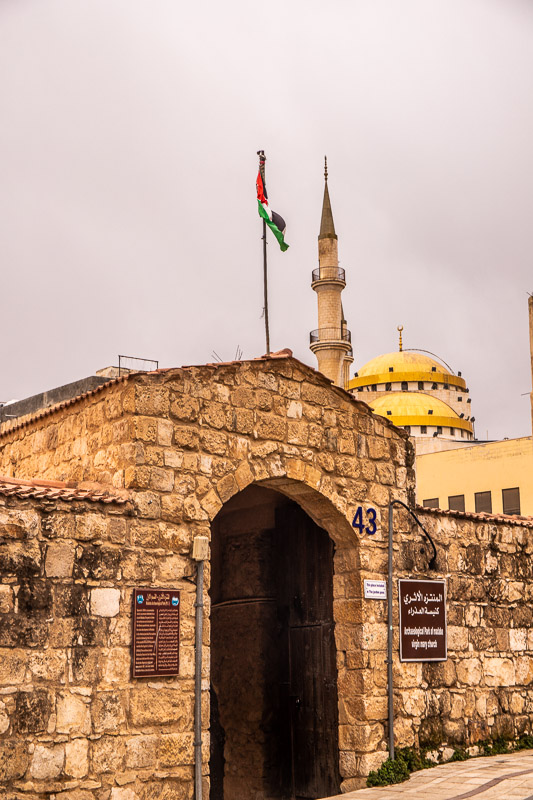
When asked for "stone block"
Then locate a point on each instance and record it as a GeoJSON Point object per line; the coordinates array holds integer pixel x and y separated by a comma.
{"type": "Point", "coordinates": [6, 599]}
{"type": "Point", "coordinates": [12, 666]}
{"type": "Point", "coordinates": [161, 706]}
{"type": "Point", "coordinates": [117, 665]}
{"type": "Point", "coordinates": [47, 762]}
{"type": "Point", "coordinates": [141, 752]}
{"type": "Point", "coordinates": [59, 559]}
{"type": "Point", "coordinates": [108, 714]}
{"type": "Point", "coordinates": [176, 750]}
{"type": "Point", "coordinates": [469, 671]}
{"type": "Point", "coordinates": [73, 715]}
{"type": "Point", "coordinates": [499, 672]}
{"type": "Point", "coordinates": [107, 754]}
{"type": "Point", "coordinates": [77, 758]}
{"type": "Point", "coordinates": [518, 639]}
{"type": "Point", "coordinates": [32, 711]}
{"type": "Point", "coordinates": [14, 759]}
{"type": "Point", "coordinates": [105, 602]}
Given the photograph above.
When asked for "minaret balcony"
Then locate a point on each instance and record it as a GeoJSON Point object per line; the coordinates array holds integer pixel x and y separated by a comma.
{"type": "Point", "coordinates": [331, 336]}
{"type": "Point", "coordinates": [329, 275]}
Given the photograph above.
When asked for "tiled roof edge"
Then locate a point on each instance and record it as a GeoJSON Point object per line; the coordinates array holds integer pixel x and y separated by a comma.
{"type": "Point", "coordinates": [508, 519]}
{"type": "Point", "coordinates": [60, 490]}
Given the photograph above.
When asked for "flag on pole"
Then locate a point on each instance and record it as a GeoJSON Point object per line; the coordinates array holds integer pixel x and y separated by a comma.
{"type": "Point", "coordinates": [275, 222]}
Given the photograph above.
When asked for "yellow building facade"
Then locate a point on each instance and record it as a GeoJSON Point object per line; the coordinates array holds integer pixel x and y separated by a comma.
{"type": "Point", "coordinates": [496, 477]}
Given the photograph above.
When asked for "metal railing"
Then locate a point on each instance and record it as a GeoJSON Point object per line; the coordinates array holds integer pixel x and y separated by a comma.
{"type": "Point", "coordinates": [329, 274]}
{"type": "Point", "coordinates": [330, 335]}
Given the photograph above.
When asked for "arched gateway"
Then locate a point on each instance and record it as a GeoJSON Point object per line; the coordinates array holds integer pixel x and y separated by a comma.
{"type": "Point", "coordinates": [271, 463]}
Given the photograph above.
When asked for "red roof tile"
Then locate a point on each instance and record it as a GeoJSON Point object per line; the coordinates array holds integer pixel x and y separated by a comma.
{"type": "Point", "coordinates": [59, 490]}
{"type": "Point", "coordinates": [508, 519]}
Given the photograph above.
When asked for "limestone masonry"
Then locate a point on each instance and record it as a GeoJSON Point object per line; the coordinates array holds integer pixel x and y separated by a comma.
{"type": "Point", "coordinates": [150, 461]}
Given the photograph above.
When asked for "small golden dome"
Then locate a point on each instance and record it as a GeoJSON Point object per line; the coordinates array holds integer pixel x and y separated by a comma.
{"type": "Point", "coordinates": [417, 408]}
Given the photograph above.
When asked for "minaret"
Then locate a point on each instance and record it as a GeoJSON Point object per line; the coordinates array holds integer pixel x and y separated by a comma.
{"type": "Point", "coordinates": [331, 342]}
{"type": "Point", "coordinates": [530, 307]}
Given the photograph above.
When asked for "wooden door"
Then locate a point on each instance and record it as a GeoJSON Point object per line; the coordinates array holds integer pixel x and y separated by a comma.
{"type": "Point", "coordinates": [309, 687]}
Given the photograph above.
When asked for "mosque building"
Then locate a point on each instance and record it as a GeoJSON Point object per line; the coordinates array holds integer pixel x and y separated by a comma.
{"type": "Point", "coordinates": [419, 392]}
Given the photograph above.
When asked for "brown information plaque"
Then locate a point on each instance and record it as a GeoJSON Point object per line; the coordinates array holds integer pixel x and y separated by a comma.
{"type": "Point", "coordinates": [422, 620]}
{"type": "Point", "coordinates": [156, 629]}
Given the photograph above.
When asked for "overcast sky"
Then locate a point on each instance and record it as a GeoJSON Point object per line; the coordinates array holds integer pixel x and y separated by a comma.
{"type": "Point", "coordinates": [128, 219]}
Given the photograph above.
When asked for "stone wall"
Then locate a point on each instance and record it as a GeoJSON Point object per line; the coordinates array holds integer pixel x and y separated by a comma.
{"type": "Point", "coordinates": [71, 718]}
{"type": "Point", "coordinates": [485, 688]}
{"type": "Point", "coordinates": [183, 442]}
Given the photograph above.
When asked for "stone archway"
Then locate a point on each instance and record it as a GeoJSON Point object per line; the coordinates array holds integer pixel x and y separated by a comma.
{"type": "Point", "coordinates": [274, 703]}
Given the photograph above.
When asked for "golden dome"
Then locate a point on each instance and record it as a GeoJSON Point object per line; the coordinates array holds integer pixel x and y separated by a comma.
{"type": "Point", "coordinates": [417, 408]}
{"type": "Point", "coordinates": [404, 366]}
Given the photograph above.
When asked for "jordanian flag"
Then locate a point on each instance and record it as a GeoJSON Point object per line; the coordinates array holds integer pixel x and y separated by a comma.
{"type": "Point", "coordinates": [273, 220]}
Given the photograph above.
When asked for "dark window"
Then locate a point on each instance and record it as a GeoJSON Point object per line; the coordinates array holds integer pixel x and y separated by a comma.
{"type": "Point", "coordinates": [433, 369]}
{"type": "Point", "coordinates": [430, 411]}
{"type": "Point", "coordinates": [446, 386]}
{"type": "Point", "coordinates": [459, 399]}
{"type": "Point", "coordinates": [388, 387]}
{"type": "Point", "coordinates": [407, 428]}
{"type": "Point", "coordinates": [452, 431]}
{"type": "Point", "coordinates": [439, 428]}
{"type": "Point", "coordinates": [462, 434]}
{"type": "Point", "coordinates": [421, 385]}
{"type": "Point", "coordinates": [374, 387]}
{"type": "Point", "coordinates": [360, 389]}
{"type": "Point", "coordinates": [391, 369]}
{"type": "Point", "coordinates": [456, 502]}
{"type": "Point", "coordinates": [389, 413]}
{"type": "Point", "coordinates": [511, 501]}
{"type": "Point", "coordinates": [432, 503]}
{"type": "Point", "coordinates": [423, 429]}
{"type": "Point", "coordinates": [404, 386]}
{"type": "Point", "coordinates": [483, 502]}
{"type": "Point", "coordinates": [469, 400]}
{"type": "Point", "coordinates": [434, 386]}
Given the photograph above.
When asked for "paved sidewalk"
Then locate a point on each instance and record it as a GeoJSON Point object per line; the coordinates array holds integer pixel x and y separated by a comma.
{"type": "Point", "coordinates": [505, 777]}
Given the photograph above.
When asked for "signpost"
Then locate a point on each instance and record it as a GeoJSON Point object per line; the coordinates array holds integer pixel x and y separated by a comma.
{"type": "Point", "coordinates": [422, 607]}
{"type": "Point", "coordinates": [156, 626]}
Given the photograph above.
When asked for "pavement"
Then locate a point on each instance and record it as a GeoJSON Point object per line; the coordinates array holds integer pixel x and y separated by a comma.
{"type": "Point", "coordinates": [504, 777]}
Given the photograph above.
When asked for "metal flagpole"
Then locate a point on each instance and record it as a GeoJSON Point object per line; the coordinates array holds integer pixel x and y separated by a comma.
{"type": "Point", "coordinates": [262, 159]}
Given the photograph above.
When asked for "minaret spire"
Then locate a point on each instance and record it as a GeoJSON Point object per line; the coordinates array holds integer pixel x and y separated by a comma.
{"type": "Point", "coordinates": [331, 341]}
{"type": "Point", "coordinates": [327, 227]}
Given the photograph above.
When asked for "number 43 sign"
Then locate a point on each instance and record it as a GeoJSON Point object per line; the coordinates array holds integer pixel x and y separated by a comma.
{"type": "Point", "coordinates": [366, 523]}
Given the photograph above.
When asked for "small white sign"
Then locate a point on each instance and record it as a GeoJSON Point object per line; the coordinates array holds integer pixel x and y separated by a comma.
{"type": "Point", "coordinates": [375, 590]}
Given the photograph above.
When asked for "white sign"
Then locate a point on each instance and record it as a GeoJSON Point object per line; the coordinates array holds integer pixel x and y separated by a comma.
{"type": "Point", "coordinates": [375, 590]}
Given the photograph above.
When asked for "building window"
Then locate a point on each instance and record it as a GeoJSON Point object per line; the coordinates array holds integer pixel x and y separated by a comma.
{"type": "Point", "coordinates": [456, 502]}
{"type": "Point", "coordinates": [423, 429]}
{"type": "Point", "coordinates": [469, 400]}
{"type": "Point", "coordinates": [432, 503]}
{"type": "Point", "coordinates": [421, 386]}
{"type": "Point", "coordinates": [439, 429]}
{"type": "Point", "coordinates": [462, 434]}
{"type": "Point", "coordinates": [374, 387]}
{"type": "Point", "coordinates": [404, 386]}
{"type": "Point", "coordinates": [391, 369]}
{"type": "Point", "coordinates": [407, 428]}
{"type": "Point", "coordinates": [433, 369]}
{"type": "Point", "coordinates": [511, 501]}
{"type": "Point", "coordinates": [446, 386]}
{"type": "Point", "coordinates": [459, 399]}
{"type": "Point", "coordinates": [389, 413]}
{"type": "Point", "coordinates": [452, 431]}
{"type": "Point", "coordinates": [483, 502]}
{"type": "Point", "coordinates": [388, 387]}
{"type": "Point", "coordinates": [434, 386]}
{"type": "Point", "coordinates": [430, 411]}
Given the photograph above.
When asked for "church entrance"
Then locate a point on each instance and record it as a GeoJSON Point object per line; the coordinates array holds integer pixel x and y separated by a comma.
{"type": "Point", "coordinates": [274, 714]}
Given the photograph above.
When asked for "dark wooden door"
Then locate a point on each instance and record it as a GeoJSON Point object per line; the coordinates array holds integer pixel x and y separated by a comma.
{"type": "Point", "coordinates": [309, 686]}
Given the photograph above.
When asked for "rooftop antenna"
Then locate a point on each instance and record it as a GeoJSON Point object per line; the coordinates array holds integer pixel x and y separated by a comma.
{"type": "Point", "coordinates": [216, 356]}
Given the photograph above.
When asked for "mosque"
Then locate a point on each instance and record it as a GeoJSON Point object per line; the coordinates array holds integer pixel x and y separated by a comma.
{"type": "Point", "coordinates": [420, 393]}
